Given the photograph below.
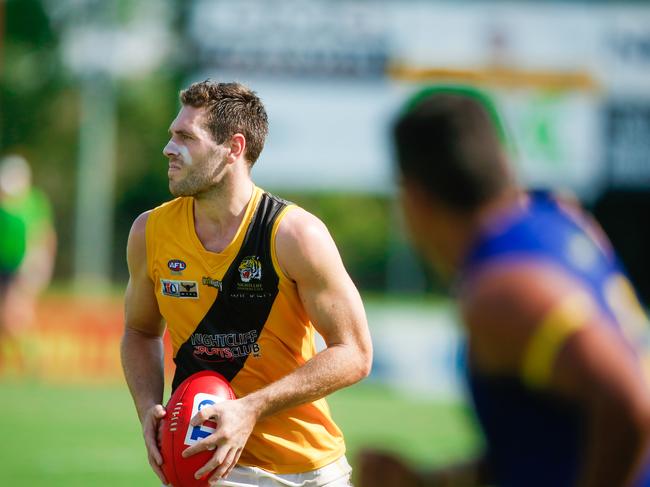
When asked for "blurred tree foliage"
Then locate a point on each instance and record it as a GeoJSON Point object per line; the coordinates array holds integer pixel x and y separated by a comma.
{"type": "Point", "coordinates": [145, 111]}
{"type": "Point", "coordinates": [39, 118]}
{"type": "Point", "coordinates": [38, 106]}
{"type": "Point", "coordinates": [361, 227]}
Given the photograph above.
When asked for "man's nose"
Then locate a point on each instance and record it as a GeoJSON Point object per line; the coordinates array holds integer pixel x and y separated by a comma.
{"type": "Point", "coordinates": [171, 149]}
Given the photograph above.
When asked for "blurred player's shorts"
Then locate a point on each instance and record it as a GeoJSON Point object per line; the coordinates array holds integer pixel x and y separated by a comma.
{"type": "Point", "coordinates": [336, 474]}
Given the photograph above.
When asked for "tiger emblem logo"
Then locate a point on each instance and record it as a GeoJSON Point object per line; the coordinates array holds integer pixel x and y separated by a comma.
{"type": "Point", "coordinates": [250, 268]}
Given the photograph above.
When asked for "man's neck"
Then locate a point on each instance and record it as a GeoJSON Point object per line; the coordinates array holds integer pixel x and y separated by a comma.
{"type": "Point", "coordinates": [218, 214]}
{"type": "Point", "coordinates": [461, 233]}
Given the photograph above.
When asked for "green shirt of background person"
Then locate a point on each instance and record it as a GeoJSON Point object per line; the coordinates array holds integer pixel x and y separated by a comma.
{"type": "Point", "coordinates": [13, 242]}
{"type": "Point", "coordinates": [33, 208]}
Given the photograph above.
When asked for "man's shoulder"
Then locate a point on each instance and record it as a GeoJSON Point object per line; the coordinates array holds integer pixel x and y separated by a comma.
{"type": "Point", "coordinates": [506, 305]}
{"type": "Point", "coordinates": [521, 289]}
{"type": "Point", "coordinates": [170, 212]}
{"type": "Point", "coordinates": [173, 205]}
{"type": "Point", "coordinates": [513, 296]}
{"type": "Point", "coordinates": [147, 218]}
{"type": "Point", "coordinates": [303, 245]}
{"type": "Point", "coordinates": [298, 225]}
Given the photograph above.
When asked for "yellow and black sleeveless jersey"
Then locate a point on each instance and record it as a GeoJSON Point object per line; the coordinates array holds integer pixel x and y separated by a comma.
{"type": "Point", "coordinates": [236, 313]}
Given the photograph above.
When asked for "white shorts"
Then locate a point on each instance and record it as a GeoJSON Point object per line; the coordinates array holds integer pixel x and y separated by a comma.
{"type": "Point", "coordinates": [336, 474]}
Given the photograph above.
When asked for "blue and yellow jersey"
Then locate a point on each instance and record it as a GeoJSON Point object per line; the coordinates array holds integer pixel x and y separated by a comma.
{"type": "Point", "coordinates": [235, 312]}
{"type": "Point", "coordinates": [525, 425]}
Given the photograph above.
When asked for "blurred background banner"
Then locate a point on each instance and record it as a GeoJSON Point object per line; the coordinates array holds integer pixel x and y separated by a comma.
{"type": "Point", "coordinates": [88, 89]}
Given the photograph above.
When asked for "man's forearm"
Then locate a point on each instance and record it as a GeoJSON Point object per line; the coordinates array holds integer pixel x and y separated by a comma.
{"type": "Point", "coordinates": [142, 362]}
{"type": "Point", "coordinates": [335, 367]}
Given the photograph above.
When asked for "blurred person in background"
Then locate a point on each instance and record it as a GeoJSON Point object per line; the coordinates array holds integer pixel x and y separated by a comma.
{"type": "Point", "coordinates": [242, 279]}
{"type": "Point", "coordinates": [555, 333]}
{"type": "Point", "coordinates": [13, 242]}
{"type": "Point", "coordinates": [28, 246]}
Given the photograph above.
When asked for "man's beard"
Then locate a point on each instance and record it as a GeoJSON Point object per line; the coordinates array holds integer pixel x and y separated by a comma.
{"type": "Point", "coordinates": [195, 182]}
{"type": "Point", "coordinates": [192, 185]}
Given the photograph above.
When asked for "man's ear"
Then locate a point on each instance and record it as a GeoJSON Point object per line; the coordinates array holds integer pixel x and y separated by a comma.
{"type": "Point", "coordinates": [237, 146]}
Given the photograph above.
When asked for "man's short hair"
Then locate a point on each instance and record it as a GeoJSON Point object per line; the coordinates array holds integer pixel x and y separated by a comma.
{"type": "Point", "coordinates": [450, 143]}
{"type": "Point", "coordinates": [231, 108]}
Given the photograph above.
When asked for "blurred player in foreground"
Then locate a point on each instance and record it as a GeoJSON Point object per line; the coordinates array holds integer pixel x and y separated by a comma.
{"type": "Point", "coordinates": [555, 351]}
{"type": "Point", "coordinates": [243, 280]}
{"type": "Point", "coordinates": [27, 250]}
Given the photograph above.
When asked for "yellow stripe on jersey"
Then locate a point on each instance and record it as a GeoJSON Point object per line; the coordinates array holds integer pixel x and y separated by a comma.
{"type": "Point", "coordinates": [561, 322]}
{"type": "Point", "coordinates": [274, 232]}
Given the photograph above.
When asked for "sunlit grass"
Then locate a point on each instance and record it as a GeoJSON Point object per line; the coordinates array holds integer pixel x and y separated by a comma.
{"type": "Point", "coordinates": [69, 436]}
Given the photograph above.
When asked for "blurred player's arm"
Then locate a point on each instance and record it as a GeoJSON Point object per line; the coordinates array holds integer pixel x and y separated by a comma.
{"type": "Point", "coordinates": [308, 256]}
{"type": "Point", "coordinates": [38, 265]}
{"type": "Point", "coordinates": [142, 346]}
{"type": "Point", "coordinates": [383, 468]}
{"type": "Point", "coordinates": [536, 322]}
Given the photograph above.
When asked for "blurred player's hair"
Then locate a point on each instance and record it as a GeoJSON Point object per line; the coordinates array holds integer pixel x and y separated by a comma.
{"type": "Point", "coordinates": [449, 141]}
{"type": "Point", "coordinates": [232, 108]}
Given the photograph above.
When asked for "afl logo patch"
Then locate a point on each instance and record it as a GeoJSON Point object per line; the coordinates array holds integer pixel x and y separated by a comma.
{"type": "Point", "coordinates": [176, 265]}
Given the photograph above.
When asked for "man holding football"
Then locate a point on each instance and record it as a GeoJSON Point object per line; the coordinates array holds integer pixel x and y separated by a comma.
{"type": "Point", "coordinates": [556, 335]}
{"type": "Point", "coordinates": [242, 280]}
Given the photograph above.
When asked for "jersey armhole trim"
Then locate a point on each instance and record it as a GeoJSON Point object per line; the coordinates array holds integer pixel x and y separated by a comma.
{"type": "Point", "coordinates": [149, 243]}
{"type": "Point", "coordinates": [274, 231]}
{"type": "Point", "coordinates": [560, 323]}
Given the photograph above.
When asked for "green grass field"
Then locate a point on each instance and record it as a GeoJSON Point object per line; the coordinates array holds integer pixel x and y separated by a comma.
{"type": "Point", "coordinates": [69, 436]}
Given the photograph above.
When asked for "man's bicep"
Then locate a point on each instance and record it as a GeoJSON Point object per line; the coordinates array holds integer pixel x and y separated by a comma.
{"type": "Point", "coordinates": [334, 307]}
{"type": "Point", "coordinates": [312, 261]}
{"type": "Point", "coordinates": [574, 349]}
{"type": "Point", "coordinates": [330, 298]}
{"type": "Point", "coordinates": [141, 307]}
{"type": "Point", "coordinates": [596, 364]}
{"type": "Point", "coordinates": [542, 326]}
{"type": "Point", "coordinates": [519, 317]}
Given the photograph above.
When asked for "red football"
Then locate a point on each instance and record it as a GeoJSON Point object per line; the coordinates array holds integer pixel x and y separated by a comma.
{"type": "Point", "coordinates": [198, 390]}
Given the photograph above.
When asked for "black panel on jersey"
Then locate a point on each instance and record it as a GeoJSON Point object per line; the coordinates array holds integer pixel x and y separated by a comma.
{"type": "Point", "coordinates": [228, 333]}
